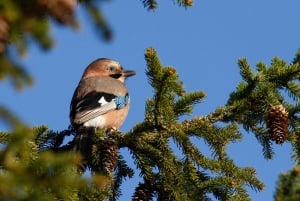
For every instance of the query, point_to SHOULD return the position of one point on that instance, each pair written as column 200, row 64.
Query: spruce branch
column 154, row 67
column 122, row 171
column 184, row 105
column 280, row 73
column 151, row 137
column 194, row 179
column 288, row 185
column 160, row 109
column 293, row 90
column 245, row 70
column 259, row 92
column 296, row 147
column 143, row 192
column 48, row 139
column 296, row 60
column 34, row 174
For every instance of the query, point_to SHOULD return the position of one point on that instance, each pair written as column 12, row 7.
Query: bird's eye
column 111, row 68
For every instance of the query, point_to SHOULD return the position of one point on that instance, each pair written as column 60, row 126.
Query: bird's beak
column 128, row 73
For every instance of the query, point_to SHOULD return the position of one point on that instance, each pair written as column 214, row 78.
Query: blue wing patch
column 122, row 101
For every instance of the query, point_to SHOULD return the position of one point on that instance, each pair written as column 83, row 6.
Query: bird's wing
column 93, row 105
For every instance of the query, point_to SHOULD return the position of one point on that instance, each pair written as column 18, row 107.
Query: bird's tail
column 100, row 153
column 83, row 143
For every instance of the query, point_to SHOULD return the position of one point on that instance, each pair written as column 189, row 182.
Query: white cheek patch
column 102, row 101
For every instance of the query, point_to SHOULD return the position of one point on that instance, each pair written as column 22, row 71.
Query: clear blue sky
column 203, row 43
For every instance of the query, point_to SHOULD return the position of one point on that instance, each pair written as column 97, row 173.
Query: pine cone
column 143, row 192
column 277, row 123
column 109, row 155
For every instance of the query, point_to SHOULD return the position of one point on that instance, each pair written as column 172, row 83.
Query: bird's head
column 107, row 67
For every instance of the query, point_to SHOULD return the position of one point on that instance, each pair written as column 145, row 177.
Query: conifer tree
column 34, row 160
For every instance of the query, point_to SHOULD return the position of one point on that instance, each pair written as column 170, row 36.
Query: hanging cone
column 277, row 123
column 143, row 192
column 109, row 155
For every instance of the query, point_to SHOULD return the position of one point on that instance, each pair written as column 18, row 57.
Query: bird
column 101, row 99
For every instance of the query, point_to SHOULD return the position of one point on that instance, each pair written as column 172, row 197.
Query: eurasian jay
column 101, row 99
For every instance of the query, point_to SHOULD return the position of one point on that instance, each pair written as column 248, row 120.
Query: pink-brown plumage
column 101, row 98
